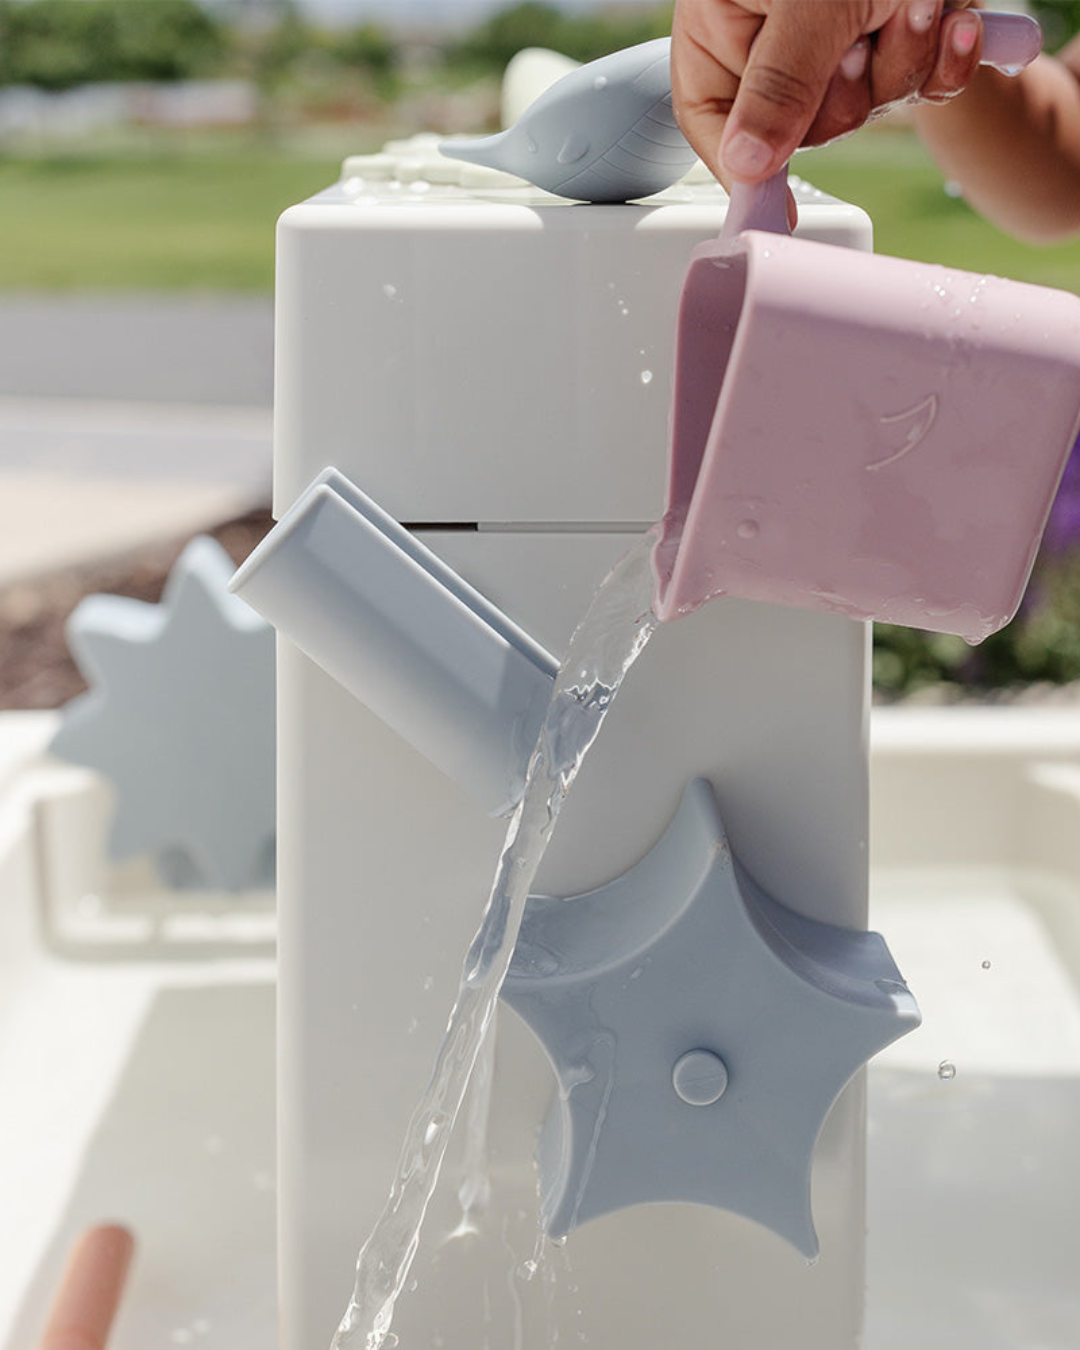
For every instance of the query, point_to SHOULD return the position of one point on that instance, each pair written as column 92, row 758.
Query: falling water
column 606, row 643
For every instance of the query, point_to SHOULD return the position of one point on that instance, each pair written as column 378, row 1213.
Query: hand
column 754, row 79
column 86, row 1302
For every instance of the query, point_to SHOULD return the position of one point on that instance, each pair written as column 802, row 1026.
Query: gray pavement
column 158, row 348
column 125, row 420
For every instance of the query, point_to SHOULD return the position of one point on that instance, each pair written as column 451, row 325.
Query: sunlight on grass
column 199, row 214
column 148, row 222
column 888, row 173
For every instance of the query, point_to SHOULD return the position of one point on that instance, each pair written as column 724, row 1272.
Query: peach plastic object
column 89, row 1294
column 861, row 434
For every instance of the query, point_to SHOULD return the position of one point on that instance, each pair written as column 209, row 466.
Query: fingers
column 847, row 103
column 789, row 72
column 709, row 42
column 752, row 80
column 924, row 52
column 86, row 1302
column 905, row 50
column 959, row 52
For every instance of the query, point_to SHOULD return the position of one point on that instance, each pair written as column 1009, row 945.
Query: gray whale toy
column 604, row 133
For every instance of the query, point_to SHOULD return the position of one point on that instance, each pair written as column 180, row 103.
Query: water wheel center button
column 700, row 1077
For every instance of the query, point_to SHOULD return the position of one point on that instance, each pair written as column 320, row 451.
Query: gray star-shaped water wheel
column 180, row 717
column 699, row 1031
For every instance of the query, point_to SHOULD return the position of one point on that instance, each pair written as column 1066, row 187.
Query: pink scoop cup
column 861, row 434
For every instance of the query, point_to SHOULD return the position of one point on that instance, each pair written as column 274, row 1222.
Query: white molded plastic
column 471, row 358
column 500, row 359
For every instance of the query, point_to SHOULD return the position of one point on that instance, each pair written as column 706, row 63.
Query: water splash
column 606, row 643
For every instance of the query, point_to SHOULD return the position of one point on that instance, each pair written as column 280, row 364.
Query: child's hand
column 86, row 1302
column 754, row 79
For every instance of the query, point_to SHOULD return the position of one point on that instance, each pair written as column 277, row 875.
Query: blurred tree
column 276, row 47
column 56, row 44
column 367, row 55
column 535, row 23
column 1060, row 20
column 369, row 48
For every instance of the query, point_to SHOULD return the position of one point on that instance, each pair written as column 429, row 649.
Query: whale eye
column 573, row 148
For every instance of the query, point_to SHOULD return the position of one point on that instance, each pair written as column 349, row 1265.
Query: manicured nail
column 854, row 61
column 965, row 34
column 745, row 156
column 920, row 16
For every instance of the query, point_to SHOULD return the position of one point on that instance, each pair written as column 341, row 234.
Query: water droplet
column 429, row 983
column 200, row 1326
column 946, row 1070
column 389, row 290
column 986, row 965
column 646, row 377
column 748, row 529
column 531, row 145
column 600, row 82
column 181, row 1336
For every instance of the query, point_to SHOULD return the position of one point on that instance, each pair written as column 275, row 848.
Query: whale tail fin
column 489, row 151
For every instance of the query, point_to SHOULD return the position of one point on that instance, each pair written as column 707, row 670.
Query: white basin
column 137, row 1043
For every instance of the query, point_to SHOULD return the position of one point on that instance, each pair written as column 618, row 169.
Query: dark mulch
column 36, row 669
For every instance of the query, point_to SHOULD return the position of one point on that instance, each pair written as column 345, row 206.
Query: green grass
column 887, row 172
column 138, row 221
column 198, row 213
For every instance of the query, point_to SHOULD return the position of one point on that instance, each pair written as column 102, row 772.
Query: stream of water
column 606, row 643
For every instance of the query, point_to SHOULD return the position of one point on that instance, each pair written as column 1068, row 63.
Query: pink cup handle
column 1010, row 42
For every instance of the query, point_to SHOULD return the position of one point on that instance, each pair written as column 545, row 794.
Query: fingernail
column 745, row 156
column 965, row 34
column 853, row 63
column 920, row 16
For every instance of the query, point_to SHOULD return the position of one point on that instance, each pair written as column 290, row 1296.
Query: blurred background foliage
column 584, row 36
column 55, row 44
column 58, row 44
column 1059, row 19
column 152, row 207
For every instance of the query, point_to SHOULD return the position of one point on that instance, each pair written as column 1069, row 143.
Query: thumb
column 784, row 84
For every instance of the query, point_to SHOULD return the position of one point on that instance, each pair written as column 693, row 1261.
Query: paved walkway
column 158, row 348
column 127, row 420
